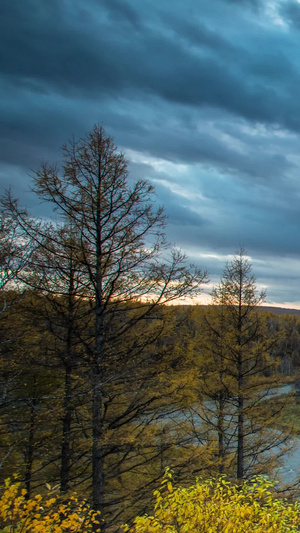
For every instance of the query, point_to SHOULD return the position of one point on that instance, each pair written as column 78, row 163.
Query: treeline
column 104, row 384
column 175, row 404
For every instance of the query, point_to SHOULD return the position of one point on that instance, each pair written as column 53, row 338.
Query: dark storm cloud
column 47, row 48
column 51, row 49
column 199, row 35
column 194, row 147
column 290, row 10
column 227, row 147
column 121, row 11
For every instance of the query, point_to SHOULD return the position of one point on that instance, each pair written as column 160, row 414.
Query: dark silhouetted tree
column 126, row 272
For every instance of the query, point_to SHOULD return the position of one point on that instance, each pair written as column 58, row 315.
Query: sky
column 202, row 97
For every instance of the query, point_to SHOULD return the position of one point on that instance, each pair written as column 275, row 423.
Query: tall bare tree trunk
column 30, row 444
column 66, row 432
column 98, row 363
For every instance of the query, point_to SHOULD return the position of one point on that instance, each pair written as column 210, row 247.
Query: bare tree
column 119, row 253
column 235, row 366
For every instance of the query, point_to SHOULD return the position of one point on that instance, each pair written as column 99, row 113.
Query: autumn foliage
column 43, row 514
column 217, row 506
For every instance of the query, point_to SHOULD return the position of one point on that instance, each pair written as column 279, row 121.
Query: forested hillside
column 104, row 383
column 163, row 408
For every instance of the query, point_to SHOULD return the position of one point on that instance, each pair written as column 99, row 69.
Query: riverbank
column 288, row 415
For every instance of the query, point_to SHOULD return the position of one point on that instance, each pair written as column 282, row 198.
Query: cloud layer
column 203, row 99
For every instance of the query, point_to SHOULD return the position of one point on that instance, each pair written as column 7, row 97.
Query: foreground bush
column 43, row 514
column 219, row 507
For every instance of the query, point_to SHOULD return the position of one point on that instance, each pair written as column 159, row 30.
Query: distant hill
column 275, row 310
column 280, row 310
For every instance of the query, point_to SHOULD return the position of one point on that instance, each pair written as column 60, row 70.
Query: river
column 289, row 472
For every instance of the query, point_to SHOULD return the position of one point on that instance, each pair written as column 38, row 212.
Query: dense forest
column 105, row 384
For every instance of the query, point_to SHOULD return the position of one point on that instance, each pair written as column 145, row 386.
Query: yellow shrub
column 219, row 507
column 43, row 514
